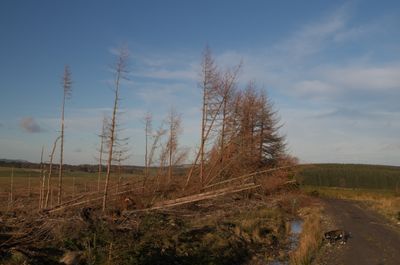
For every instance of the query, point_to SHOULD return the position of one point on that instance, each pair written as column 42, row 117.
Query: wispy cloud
column 314, row 89
column 185, row 74
column 77, row 150
column 395, row 146
column 379, row 83
column 298, row 67
column 375, row 78
column 28, row 124
column 349, row 113
column 311, row 38
column 171, row 66
column 155, row 93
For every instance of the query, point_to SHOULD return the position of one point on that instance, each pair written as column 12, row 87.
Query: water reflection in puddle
column 296, row 226
column 295, row 229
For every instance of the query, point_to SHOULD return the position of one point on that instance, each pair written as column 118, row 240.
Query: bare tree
column 148, row 132
column 119, row 158
column 156, row 145
column 102, row 138
column 66, row 81
column 227, row 92
column 211, row 104
column 217, row 89
column 174, row 123
column 239, row 128
column 11, row 186
column 43, row 180
column 120, row 71
column 49, row 189
column 29, row 185
column 254, row 140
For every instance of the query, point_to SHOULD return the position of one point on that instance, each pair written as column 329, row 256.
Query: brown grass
column 310, row 237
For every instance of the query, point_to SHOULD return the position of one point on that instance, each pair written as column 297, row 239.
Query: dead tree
column 148, row 133
column 43, row 180
column 227, row 91
column 49, row 189
column 67, row 93
column 210, row 104
column 29, row 185
column 11, row 186
column 272, row 142
column 255, row 140
column 156, row 145
column 174, row 124
column 239, row 129
column 217, row 89
column 119, row 158
column 102, row 137
column 120, row 71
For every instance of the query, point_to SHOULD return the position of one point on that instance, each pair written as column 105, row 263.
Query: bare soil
column 374, row 240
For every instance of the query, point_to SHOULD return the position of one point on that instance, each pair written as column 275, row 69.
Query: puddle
column 296, row 226
column 278, row 263
column 295, row 229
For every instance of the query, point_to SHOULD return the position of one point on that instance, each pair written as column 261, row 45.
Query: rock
column 337, row 235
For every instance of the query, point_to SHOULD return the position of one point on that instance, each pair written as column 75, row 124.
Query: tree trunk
column 43, row 180
column 50, row 171
column 120, row 69
column 67, row 90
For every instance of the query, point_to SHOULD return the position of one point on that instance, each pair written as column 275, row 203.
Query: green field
column 350, row 176
column 377, row 187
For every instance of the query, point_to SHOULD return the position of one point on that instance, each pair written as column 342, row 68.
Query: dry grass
column 310, row 237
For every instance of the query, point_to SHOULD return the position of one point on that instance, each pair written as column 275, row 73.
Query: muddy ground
column 374, row 241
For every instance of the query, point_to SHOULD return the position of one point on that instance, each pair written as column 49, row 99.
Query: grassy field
column 26, row 183
column 350, row 176
column 378, row 187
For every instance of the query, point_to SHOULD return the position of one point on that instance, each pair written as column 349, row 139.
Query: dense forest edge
column 378, row 177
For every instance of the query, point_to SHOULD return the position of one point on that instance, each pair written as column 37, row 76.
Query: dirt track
column 374, row 241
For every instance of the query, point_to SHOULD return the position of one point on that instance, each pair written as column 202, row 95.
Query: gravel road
column 374, row 241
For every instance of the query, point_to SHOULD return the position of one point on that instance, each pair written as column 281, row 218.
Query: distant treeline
column 350, row 176
column 83, row 168
column 80, row 168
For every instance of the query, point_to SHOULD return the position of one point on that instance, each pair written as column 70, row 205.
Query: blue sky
column 332, row 69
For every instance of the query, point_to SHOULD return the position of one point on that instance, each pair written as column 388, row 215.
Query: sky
column 332, row 69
